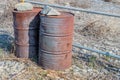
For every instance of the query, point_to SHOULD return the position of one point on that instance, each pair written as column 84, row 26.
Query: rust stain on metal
column 26, row 30
column 55, row 62
column 55, row 43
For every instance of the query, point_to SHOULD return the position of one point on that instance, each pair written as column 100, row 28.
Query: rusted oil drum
column 55, row 41
column 26, row 30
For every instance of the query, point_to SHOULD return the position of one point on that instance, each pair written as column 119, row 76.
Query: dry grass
column 95, row 29
column 33, row 71
column 81, row 3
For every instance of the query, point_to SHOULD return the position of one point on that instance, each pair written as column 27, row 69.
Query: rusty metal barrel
column 55, row 41
column 26, row 30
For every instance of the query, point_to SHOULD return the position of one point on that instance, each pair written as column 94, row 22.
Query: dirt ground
column 90, row 30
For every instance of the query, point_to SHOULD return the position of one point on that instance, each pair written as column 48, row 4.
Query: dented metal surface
column 26, row 29
column 55, row 42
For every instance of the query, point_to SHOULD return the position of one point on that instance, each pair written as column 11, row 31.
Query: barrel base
column 26, row 51
column 55, row 62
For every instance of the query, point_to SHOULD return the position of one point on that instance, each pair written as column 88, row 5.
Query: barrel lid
column 63, row 14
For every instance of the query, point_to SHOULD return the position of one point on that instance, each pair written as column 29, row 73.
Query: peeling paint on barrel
column 26, row 30
column 55, row 41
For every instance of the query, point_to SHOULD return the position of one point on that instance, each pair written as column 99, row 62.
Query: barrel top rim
column 63, row 14
column 35, row 9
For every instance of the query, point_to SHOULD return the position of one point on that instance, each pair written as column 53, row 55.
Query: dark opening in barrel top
column 55, row 41
column 26, row 30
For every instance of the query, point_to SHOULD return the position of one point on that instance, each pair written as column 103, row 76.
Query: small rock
column 50, row 11
column 67, row 4
column 24, row 6
column 90, row 70
column 76, row 69
column 84, row 71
